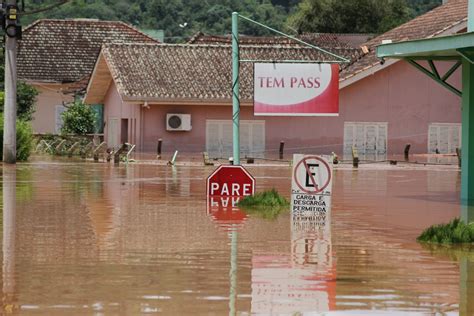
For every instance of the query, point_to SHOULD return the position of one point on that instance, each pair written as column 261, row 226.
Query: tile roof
column 165, row 71
column 323, row 40
column 433, row 23
column 64, row 51
column 347, row 45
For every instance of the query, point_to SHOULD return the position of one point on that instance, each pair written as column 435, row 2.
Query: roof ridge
column 132, row 27
column 187, row 45
column 414, row 20
column 31, row 25
column 336, row 34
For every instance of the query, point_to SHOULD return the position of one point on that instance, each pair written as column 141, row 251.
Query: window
column 370, row 138
column 219, row 138
column 444, row 138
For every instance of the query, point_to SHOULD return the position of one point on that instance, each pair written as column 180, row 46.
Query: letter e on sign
column 311, row 175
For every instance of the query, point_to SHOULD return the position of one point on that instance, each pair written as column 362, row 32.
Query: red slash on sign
column 312, row 175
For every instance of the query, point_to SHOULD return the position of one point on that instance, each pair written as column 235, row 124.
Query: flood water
column 93, row 239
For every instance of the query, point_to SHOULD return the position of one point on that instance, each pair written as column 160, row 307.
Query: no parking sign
column 311, row 188
column 311, row 175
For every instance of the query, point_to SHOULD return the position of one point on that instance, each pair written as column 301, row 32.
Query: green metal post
column 470, row 16
column 235, row 88
column 467, row 152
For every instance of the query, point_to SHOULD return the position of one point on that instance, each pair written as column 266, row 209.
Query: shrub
column 78, row 119
column 267, row 204
column 24, row 139
column 455, row 232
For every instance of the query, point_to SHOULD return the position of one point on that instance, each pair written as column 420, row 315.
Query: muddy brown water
column 94, row 239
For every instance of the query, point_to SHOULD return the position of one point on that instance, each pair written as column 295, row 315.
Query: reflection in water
column 224, row 212
column 464, row 254
column 467, row 286
column 94, row 238
column 9, row 240
column 302, row 281
column 467, row 212
column 233, row 274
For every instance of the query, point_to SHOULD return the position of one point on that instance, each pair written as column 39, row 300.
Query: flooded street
column 94, row 239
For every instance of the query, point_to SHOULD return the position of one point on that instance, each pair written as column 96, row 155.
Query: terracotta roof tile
column 430, row 24
column 191, row 71
column 323, row 40
column 347, row 45
column 66, row 50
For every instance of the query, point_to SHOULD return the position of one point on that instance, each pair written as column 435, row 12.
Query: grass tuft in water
column 455, row 232
column 267, row 204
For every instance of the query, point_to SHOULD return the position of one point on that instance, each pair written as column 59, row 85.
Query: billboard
column 284, row 89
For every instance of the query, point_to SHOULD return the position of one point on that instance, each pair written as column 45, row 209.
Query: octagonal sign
column 230, row 181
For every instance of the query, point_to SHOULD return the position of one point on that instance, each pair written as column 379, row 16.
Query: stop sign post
column 229, row 181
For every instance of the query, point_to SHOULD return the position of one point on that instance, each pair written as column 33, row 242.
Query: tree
column 349, row 16
column 26, row 100
column 78, row 119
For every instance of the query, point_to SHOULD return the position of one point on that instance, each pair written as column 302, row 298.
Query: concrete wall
column 50, row 95
column 400, row 95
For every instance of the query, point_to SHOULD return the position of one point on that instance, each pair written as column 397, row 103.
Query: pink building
column 382, row 106
column 57, row 57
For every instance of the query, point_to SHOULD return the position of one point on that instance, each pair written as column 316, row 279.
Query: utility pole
column 13, row 32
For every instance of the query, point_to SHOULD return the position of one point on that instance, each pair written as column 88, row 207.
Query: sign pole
column 235, row 88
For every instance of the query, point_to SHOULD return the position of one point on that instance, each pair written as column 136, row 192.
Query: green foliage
column 421, row 6
column 24, row 186
column 214, row 16
column 26, row 100
column 349, row 16
column 455, row 232
column 24, row 139
column 78, row 119
column 210, row 16
column 267, row 204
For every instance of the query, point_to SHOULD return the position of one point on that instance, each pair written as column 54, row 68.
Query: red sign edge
column 229, row 166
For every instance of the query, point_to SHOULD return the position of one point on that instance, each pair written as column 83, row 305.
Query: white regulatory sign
column 311, row 188
column 311, row 175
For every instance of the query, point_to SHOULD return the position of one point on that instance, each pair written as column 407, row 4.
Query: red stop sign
column 230, row 181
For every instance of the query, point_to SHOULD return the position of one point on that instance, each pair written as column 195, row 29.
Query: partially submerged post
column 355, row 157
column 406, row 152
column 173, row 159
column 282, row 146
column 117, row 154
column 207, row 161
column 458, row 154
column 158, row 148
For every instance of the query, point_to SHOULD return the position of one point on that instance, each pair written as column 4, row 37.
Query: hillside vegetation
column 181, row 18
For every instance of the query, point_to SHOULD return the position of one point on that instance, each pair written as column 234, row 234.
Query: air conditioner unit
column 178, row 122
